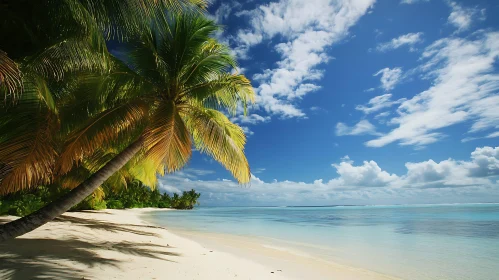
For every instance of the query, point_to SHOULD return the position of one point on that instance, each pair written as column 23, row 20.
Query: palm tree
column 175, row 200
column 193, row 198
column 170, row 92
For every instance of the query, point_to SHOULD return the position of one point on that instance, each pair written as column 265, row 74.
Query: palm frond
column 118, row 181
column 215, row 135
column 65, row 56
column 100, row 131
column 10, row 77
column 27, row 152
column 73, row 178
column 213, row 58
column 166, row 139
column 223, row 92
column 143, row 58
column 146, row 171
column 185, row 35
column 122, row 19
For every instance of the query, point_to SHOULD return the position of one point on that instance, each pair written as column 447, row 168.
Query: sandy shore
column 118, row 244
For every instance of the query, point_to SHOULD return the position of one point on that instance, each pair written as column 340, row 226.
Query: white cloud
column 484, row 163
column 412, row 1
column 382, row 115
column 389, row 77
column 369, row 174
column 251, row 119
column 429, row 173
column 258, row 170
column 224, row 11
column 379, row 102
column 304, row 30
column 462, row 17
column 361, row 128
column 168, row 188
column 247, row 131
column 409, row 39
column 493, row 135
column 465, row 88
column 423, row 182
column 194, row 173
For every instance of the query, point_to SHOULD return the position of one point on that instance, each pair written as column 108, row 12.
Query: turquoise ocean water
column 411, row 242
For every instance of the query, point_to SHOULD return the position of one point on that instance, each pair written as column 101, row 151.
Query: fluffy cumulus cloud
column 465, row 89
column 449, row 179
column 389, row 77
column 369, row 174
column 409, row 39
column 302, row 32
column 484, row 164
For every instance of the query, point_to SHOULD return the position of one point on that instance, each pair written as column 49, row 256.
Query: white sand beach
column 118, row 244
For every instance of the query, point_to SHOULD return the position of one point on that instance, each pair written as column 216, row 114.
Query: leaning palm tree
column 171, row 91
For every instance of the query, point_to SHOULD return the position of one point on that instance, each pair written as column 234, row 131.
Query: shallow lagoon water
column 407, row 241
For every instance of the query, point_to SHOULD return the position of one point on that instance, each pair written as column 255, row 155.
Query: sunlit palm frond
column 166, row 139
column 146, row 171
column 212, row 59
column 215, row 135
column 118, row 181
column 224, row 92
column 101, row 130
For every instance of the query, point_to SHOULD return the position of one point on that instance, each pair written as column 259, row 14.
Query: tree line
column 136, row 195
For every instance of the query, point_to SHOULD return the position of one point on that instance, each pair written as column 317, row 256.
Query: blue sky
column 361, row 102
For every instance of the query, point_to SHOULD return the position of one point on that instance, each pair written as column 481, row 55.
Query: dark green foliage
column 136, row 195
column 23, row 203
column 115, row 204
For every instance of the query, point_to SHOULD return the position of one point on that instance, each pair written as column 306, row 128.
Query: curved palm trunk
column 52, row 210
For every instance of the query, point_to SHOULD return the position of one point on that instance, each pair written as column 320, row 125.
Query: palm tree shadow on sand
column 27, row 258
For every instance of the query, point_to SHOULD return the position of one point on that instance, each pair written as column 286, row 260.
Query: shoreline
column 293, row 263
column 120, row 244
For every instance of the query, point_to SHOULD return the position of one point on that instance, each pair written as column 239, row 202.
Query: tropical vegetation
column 136, row 195
column 101, row 94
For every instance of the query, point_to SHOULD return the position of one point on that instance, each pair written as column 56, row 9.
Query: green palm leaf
column 215, row 135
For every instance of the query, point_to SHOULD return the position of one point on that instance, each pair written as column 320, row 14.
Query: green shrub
column 21, row 205
column 114, row 204
column 90, row 203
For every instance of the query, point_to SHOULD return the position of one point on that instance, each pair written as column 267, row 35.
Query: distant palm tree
column 175, row 200
column 162, row 99
column 193, row 198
